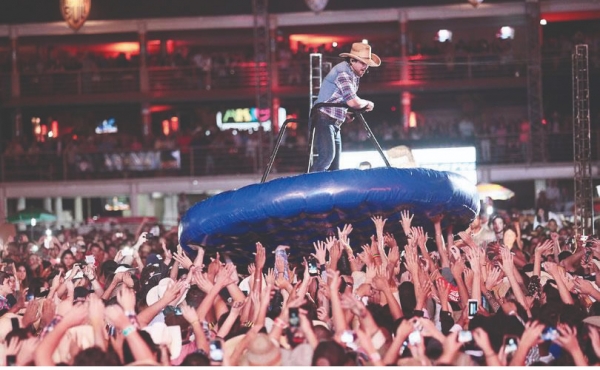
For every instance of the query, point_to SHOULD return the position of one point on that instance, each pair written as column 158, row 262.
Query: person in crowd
column 67, row 259
column 545, row 218
column 339, row 86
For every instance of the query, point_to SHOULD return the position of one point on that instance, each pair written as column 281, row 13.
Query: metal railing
column 80, row 82
column 230, row 160
column 243, row 75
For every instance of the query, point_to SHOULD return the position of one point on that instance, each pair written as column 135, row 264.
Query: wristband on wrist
column 131, row 315
column 128, row 330
column 57, row 318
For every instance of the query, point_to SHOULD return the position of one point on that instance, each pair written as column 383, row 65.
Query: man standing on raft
column 339, row 86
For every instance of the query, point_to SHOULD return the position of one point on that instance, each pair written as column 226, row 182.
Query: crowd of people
column 499, row 292
column 498, row 139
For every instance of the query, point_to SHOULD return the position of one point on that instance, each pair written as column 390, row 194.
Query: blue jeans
column 327, row 143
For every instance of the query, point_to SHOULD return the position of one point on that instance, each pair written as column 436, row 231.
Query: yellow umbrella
column 494, row 191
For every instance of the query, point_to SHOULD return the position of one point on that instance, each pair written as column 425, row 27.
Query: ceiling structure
column 42, row 11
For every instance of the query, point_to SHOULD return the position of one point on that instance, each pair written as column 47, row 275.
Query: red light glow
column 314, row 41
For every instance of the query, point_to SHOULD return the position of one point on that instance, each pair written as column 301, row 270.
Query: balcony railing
column 223, row 160
column 243, row 75
column 79, row 83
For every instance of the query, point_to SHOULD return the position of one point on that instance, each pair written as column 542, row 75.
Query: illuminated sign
column 246, row 119
column 460, row 160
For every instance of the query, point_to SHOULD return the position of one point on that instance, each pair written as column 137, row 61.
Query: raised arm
column 508, row 267
column 439, row 241
column 553, row 269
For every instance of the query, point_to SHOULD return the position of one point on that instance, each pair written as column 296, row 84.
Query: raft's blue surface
column 299, row 210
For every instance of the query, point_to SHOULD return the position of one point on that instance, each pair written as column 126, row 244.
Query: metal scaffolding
column 262, row 59
column 537, row 138
column 584, row 203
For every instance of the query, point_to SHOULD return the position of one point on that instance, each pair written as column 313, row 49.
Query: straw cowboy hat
column 363, row 53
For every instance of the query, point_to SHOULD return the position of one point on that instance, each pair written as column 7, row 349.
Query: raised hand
column 115, row 316
column 371, row 272
column 468, row 274
column 251, row 269
column 183, row 259
column 199, row 260
column 507, row 260
column 322, row 314
column 379, row 224
column 126, row 298
column 260, row 258
column 214, row 267
column 481, row 338
column 279, row 264
column 466, row 237
column 335, row 253
column 48, row 311
column 473, row 258
column 189, row 313
column 412, row 261
column 393, row 255
column 389, row 240
column 365, row 255
column 405, row 221
column 531, row 334
column 343, row 235
column 567, row 337
column 457, row 268
column 493, row 278
column 544, row 248
column 334, row 281
column 443, row 292
column 320, row 252
column 226, row 275
column 551, row 268
column 270, row 277
column 31, row 313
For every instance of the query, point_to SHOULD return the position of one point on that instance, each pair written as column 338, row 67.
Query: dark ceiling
column 39, row 11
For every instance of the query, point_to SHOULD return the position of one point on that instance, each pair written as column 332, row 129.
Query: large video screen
column 461, row 160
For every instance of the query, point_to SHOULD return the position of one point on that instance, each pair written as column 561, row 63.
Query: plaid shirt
column 4, row 303
column 346, row 83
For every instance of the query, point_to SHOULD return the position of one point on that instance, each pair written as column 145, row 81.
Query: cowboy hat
column 168, row 335
column 363, row 53
column 261, row 351
column 157, row 292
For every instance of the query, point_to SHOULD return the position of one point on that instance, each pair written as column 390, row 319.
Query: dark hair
column 108, row 268
column 330, row 350
column 3, row 276
column 128, row 356
column 564, row 254
column 194, row 296
column 196, row 359
column 408, row 299
column 64, row 253
column 94, row 356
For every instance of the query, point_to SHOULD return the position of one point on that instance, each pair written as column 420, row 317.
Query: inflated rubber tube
column 299, row 210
